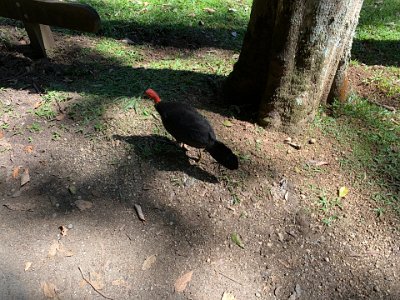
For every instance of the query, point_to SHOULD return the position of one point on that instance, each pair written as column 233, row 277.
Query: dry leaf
column 317, row 163
column 83, row 205
column 37, row 104
column 209, row 10
column 53, row 249
column 15, row 173
column 82, row 283
column 148, row 262
column 343, row 191
column 25, row 178
column 28, row 149
column 139, row 212
column 96, row 279
column 227, row 123
column 181, row 282
column 1, row 134
column 49, row 290
column 119, row 282
column 60, row 117
column 72, row 189
column 228, row 296
column 27, row 266
column 19, row 206
column 66, row 253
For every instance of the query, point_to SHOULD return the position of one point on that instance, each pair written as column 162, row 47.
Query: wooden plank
column 41, row 38
column 52, row 12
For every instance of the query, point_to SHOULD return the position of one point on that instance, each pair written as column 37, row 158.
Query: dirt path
column 71, row 231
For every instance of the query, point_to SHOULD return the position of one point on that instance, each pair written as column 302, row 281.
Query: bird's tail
column 223, row 155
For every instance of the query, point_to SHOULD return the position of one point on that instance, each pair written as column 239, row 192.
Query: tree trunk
column 295, row 54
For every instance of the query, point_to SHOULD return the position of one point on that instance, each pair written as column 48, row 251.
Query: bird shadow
column 165, row 155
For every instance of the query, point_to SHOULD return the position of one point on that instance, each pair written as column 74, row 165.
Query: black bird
column 187, row 126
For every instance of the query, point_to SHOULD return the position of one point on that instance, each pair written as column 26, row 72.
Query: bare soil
column 72, row 232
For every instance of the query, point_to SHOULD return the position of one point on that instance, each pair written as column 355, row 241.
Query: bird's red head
column 153, row 95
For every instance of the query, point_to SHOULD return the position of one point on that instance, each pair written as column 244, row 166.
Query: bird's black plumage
column 188, row 126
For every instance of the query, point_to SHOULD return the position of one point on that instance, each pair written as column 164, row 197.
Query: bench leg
column 41, row 38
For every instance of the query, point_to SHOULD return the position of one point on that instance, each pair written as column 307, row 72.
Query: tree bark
column 292, row 53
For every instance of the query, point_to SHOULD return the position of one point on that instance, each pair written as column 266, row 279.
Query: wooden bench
column 37, row 15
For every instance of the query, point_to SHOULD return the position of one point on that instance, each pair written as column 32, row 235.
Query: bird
column 189, row 127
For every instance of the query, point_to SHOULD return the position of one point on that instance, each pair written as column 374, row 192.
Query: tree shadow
column 165, row 155
column 107, row 80
column 375, row 52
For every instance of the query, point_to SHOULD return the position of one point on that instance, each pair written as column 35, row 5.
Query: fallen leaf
column 63, row 230
column 139, row 212
column 119, row 282
column 228, row 296
column 82, row 283
column 72, row 189
column 28, row 149
column 49, row 289
column 148, row 262
column 343, row 191
column 317, row 162
column 53, row 249
column 60, row 117
column 227, row 123
column 27, row 266
column 96, row 279
column 209, row 10
column 19, row 206
column 15, row 173
column 65, row 252
column 181, row 282
column 83, row 205
column 1, row 134
column 127, row 41
column 236, row 239
column 25, row 178
column 37, row 104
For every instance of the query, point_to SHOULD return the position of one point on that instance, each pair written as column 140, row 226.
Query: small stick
column 96, row 290
column 228, row 277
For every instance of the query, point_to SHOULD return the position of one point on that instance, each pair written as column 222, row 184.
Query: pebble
column 70, row 226
column 258, row 295
column 298, row 290
column 312, row 141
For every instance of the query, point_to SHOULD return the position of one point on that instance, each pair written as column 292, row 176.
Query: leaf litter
column 182, row 282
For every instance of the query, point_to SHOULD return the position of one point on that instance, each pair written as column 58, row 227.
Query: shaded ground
column 295, row 247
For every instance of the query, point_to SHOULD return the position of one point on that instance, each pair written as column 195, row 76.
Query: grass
column 210, row 20
column 372, row 134
column 378, row 33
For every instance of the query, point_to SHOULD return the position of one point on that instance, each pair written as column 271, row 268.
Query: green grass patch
column 210, row 20
column 378, row 33
column 372, row 136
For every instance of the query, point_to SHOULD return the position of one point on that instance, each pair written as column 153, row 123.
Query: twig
column 96, row 290
column 228, row 277
column 388, row 107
